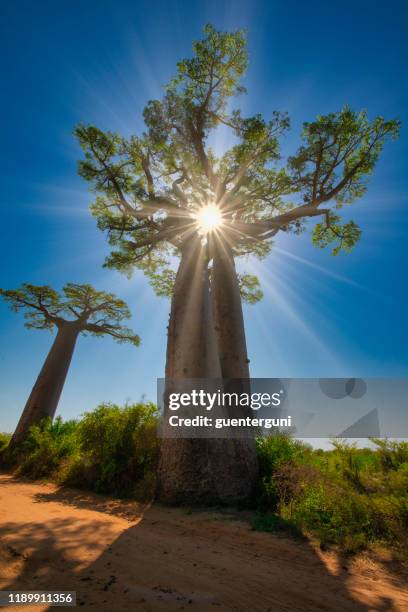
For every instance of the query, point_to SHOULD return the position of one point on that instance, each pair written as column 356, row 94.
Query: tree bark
column 228, row 315
column 192, row 347
column 44, row 397
column 231, row 342
column 198, row 471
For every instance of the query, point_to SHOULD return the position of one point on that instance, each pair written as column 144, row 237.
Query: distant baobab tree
column 82, row 310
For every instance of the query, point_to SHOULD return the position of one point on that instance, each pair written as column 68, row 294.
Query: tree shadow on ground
column 125, row 508
column 173, row 560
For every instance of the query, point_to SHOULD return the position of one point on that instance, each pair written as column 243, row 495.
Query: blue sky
column 100, row 61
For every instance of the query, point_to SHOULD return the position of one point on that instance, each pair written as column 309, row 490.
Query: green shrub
column 333, row 515
column 118, row 449
column 274, row 452
column 4, row 441
column 397, row 480
column 346, row 496
column 46, row 445
column 110, row 450
column 392, row 454
column 389, row 517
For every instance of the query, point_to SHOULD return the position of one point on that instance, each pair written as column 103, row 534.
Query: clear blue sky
column 100, row 61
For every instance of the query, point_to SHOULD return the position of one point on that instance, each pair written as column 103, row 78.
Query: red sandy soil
column 125, row 556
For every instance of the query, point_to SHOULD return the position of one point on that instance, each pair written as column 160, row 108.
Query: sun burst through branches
column 209, row 218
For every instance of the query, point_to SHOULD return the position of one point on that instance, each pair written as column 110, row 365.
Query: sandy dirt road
column 123, row 556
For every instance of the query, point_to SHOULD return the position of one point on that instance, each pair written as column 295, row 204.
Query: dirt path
column 122, row 556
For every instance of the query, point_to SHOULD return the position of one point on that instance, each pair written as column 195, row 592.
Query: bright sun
column 209, row 218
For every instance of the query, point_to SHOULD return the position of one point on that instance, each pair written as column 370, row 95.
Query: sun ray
column 323, row 270
column 284, row 298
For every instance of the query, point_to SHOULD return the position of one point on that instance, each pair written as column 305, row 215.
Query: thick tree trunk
column 192, row 347
column 197, row 471
column 44, row 397
column 228, row 316
column 232, row 348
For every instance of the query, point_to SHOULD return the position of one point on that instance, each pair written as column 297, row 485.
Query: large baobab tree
column 82, row 310
column 167, row 192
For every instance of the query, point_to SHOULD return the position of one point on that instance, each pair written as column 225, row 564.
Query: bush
column 332, row 514
column 347, row 496
column 274, row 452
column 4, row 441
column 392, row 454
column 45, row 447
column 118, row 449
column 110, row 450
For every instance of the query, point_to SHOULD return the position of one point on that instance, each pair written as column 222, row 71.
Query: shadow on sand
column 169, row 560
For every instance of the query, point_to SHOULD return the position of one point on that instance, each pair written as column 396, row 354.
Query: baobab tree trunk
column 44, row 397
column 196, row 471
column 192, row 347
column 231, row 341
column 228, row 316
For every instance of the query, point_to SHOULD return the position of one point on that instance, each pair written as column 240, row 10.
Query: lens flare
column 209, row 218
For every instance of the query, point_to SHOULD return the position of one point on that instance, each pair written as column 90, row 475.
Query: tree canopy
column 95, row 312
column 151, row 186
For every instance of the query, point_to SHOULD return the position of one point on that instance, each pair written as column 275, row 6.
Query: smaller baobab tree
column 81, row 310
